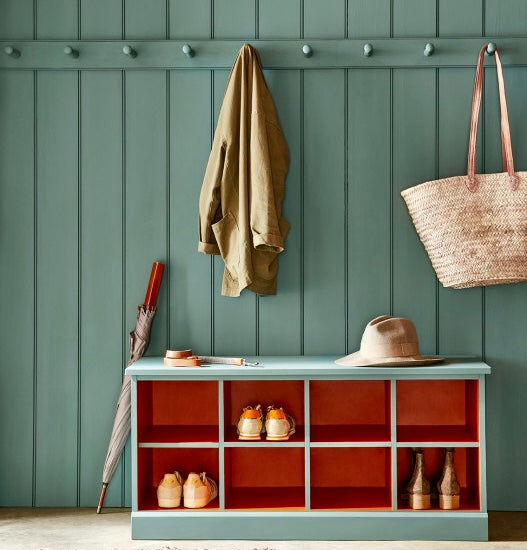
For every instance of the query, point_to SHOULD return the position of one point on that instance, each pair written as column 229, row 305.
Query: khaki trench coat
column 240, row 206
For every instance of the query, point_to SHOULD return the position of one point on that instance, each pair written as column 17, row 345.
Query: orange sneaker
column 199, row 490
column 279, row 425
column 250, row 424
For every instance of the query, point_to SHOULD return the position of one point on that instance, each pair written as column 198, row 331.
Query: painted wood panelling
column 57, row 292
column 324, row 260
column 505, row 342
column 100, row 175
column 17, row 265
column 101, row 261
column 191, row 273
column 285, row 337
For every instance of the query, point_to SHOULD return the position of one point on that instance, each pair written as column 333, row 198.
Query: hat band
column 405, row 349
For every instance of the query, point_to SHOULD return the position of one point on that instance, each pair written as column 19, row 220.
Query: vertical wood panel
column 414, row 18
column 146, row 206
column 505, row 311
column 190, row 19
column 145, row 19
column 234, row 318
column 369, row 200
column 101, row 279
column 234, row 19
column 279, row 316
column 146, row 186
column 146, row 191
column 460, row 311
column 57, row 19
column 505, row 306
column 460, row 18
column 57, row 289
column 102, row 345
column 325, row 19
column 101, row 19
column 16, row 19
column 414, row 162
column 279, row 19
column 190, row 282
column 505, row 17
column 369, row 18
column 324, row 213
column 17, row 276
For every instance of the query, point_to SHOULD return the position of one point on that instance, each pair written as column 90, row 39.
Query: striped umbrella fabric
column 139, row 338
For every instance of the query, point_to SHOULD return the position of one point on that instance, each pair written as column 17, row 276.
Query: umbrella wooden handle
column 153, row 285
column 101, row 498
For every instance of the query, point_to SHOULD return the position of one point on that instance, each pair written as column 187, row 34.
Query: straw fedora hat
column 388, row 341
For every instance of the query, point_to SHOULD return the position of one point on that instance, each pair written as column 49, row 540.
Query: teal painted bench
column 339, row 477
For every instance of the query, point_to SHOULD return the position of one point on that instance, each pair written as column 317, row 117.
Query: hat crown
column 388, row 336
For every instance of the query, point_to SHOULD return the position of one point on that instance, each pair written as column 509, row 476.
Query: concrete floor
column 82, row 529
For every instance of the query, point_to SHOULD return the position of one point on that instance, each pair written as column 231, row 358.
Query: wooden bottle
column 418, row 487
column 448, row 485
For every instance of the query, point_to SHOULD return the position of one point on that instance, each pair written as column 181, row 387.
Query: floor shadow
column 508, row 526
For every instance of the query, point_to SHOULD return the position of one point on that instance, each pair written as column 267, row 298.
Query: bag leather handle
column 506, row 146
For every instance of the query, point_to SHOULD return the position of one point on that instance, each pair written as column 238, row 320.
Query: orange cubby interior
column 357, row 478
column 349, row 410
column 264, row 477
column 288, row 394
column 177, row 411
column 153, row 463
column 466, row 465
column 437, row 410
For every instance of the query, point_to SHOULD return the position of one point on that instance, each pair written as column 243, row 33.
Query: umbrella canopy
column 139, row 338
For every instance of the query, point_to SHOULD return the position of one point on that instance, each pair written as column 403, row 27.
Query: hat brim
column 358, row 360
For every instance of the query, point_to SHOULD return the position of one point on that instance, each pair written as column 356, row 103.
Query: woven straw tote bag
column 474, row 227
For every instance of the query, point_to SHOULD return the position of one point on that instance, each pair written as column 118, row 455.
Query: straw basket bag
column 474, row 227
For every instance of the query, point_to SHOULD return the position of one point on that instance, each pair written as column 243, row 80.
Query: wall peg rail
column 275, row 54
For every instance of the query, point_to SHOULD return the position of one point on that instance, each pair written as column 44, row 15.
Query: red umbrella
column 139, row 338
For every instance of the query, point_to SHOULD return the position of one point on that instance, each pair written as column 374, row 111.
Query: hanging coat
column 240, row 207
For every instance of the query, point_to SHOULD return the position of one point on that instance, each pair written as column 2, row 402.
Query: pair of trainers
column 278, row 425
column 198, row 490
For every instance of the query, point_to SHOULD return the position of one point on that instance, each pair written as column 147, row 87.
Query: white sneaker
column 279, row 425
column 169, row 491
column 199, row 490
column 250, row 423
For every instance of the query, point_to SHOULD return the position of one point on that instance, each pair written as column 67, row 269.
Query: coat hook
column 307, row 50
column 491, row 48
column 429, row 49
column 129, row 51
column 68, row 50
column 187, row 50
column 11, row 52
column 368, row 50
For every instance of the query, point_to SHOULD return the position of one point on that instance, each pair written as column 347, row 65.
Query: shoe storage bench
column 340, row 476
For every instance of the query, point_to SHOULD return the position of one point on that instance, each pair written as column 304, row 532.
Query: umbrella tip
column 101, row 498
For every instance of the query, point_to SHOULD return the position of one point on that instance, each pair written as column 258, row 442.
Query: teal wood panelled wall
column 100, row 173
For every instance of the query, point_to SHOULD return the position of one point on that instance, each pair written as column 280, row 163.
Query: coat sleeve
column 269, row 163
column 210, row 199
